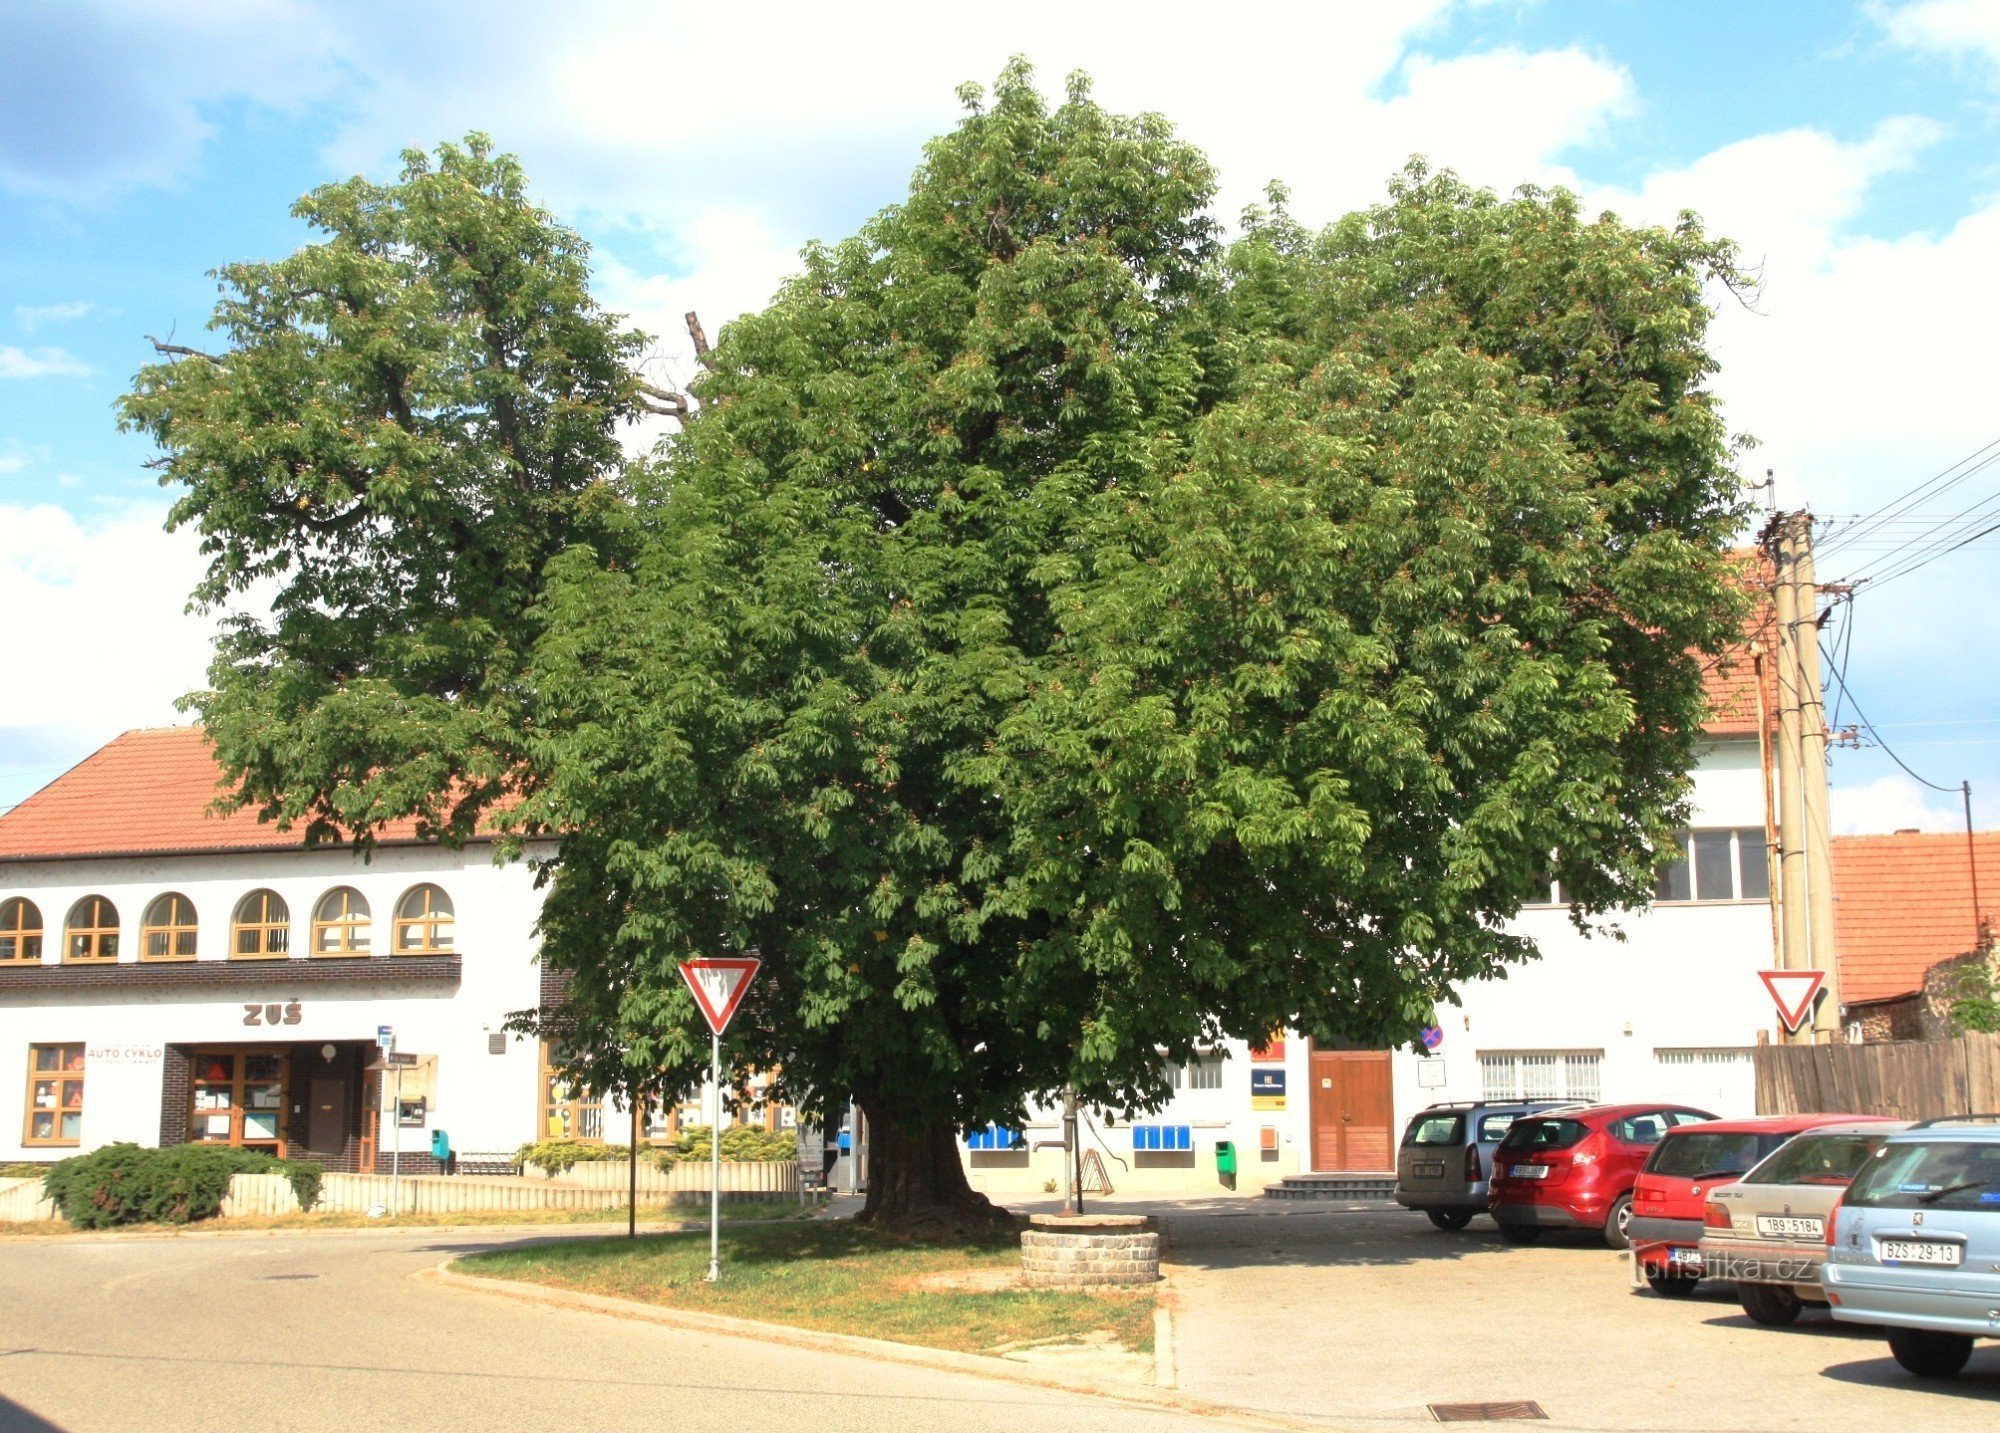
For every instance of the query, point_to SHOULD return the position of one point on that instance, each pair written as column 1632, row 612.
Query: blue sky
column 1850, row 148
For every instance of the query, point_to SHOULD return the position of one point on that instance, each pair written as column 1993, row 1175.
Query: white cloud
column 39, row 363
column 1951, row 27
column 12, row 463
column 1896, row 803
column 32, row 316
column 110, row 645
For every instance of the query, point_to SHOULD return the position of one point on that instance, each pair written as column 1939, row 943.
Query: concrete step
column 1345, row 1186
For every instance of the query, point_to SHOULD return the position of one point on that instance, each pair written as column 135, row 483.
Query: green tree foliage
column 1973, row 1001
column 411, row 417
column 1061, row 638
column 130, row 1184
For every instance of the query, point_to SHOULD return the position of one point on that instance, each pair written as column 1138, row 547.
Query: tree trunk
column 916, row 1182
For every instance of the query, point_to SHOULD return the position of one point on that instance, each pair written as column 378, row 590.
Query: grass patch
column 749, row 1209
column 833, row 1275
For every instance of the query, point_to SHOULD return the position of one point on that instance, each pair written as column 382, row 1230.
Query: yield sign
column 718, row 986
column 1793, row 992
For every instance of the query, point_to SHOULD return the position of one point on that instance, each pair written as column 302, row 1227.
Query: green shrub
column 743, row 1143
column 131, row 1184
column 553, row 1156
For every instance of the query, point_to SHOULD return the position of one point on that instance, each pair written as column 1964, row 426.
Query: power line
column 1934, row 486
column 1840, row 678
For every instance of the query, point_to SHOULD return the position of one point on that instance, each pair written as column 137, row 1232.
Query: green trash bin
column 1225, row 1157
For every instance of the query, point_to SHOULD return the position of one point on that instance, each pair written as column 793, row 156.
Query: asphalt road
column 333, row 1331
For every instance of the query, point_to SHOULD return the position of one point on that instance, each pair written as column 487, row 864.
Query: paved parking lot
column 1364, row 1317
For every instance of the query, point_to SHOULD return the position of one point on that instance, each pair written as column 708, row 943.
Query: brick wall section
column 261, row 975
column 176, row 1094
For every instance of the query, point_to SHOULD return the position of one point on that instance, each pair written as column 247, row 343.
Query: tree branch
column 698, row 336
column 175, row 350
column 664, row 402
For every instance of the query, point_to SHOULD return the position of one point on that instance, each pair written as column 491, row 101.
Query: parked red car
column 1670, row 1199
column 1575, row 1169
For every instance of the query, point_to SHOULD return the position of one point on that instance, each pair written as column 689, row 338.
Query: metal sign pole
column 632, row 1204
column 396, row 1149
column 715, row 1162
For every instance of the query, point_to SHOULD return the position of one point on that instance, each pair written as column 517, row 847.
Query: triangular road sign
column 1793, row 992
column 718, row 986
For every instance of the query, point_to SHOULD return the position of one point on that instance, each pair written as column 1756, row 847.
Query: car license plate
column 1918, row 1251
column 1682, row 1258
column 1791, row 1226
column 1528, row 1171
column 1430, row 1171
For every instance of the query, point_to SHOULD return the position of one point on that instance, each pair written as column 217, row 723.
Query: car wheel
column 1450, row 1218
column 1928, row 1354
column 1671, row 1286
column 1520, row 1233
column 1772, row 1305
column 1618, row 1224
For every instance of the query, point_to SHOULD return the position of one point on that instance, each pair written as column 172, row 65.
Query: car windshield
column 1815, row 1159
column 1533, row 1134
column 1436, row 1129
column 1686, row 1154
column 1933, row 1173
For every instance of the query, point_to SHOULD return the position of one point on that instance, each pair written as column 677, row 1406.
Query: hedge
column 740, row 1143
column 132, row 1184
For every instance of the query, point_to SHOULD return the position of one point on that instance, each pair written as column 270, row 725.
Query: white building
column 170, row 976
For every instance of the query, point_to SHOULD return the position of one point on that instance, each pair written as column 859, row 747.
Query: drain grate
column 1499, row 1412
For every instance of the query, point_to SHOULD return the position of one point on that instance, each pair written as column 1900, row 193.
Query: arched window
column 263, row 927
column 92, row 930
column 341, row 923
column 168, row 932
column 20, row 930
column 423, row 922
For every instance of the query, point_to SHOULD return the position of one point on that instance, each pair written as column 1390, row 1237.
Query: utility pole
column 1817, row 802
column 1805, row 867
column 1782, row 538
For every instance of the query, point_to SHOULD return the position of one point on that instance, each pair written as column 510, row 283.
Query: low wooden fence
column 1907, row 1079
column 269, row 1194
column 756, row 1178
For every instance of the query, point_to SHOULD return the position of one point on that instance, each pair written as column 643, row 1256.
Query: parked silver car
column 1767, row 1231
column 1915, row 1245
column 1445, row 1165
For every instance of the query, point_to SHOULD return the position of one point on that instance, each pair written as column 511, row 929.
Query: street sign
column 1433, row 1037
column 718, row 986
column 385, row 1036
column 1793, row 992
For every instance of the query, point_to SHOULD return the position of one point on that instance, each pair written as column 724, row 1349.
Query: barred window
column 1542, row 1075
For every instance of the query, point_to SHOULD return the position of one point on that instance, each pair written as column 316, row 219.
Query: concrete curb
column 940, row 1360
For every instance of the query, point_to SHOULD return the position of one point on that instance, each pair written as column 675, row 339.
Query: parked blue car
column 1915, row 1245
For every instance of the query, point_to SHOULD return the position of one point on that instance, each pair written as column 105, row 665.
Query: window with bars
column 1203, row 1072
column 1541, row 1075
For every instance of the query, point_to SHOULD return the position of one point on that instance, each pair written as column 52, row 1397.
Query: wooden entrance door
column 326, row 1116
column 1352, row 1111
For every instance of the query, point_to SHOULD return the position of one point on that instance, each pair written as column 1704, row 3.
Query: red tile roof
column 1903, row 903
column 1731, row 680
column 146, row 793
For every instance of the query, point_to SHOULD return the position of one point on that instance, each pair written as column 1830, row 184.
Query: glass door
column 239, row 1099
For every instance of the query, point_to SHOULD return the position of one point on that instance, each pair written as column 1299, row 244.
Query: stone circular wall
column 1090, row 1251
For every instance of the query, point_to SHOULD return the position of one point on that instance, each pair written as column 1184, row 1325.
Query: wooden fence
column 21, row 1200
column 1908, row 1079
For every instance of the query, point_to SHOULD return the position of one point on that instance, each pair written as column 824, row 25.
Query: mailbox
column 1225, row 1157
column 440, row 1146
